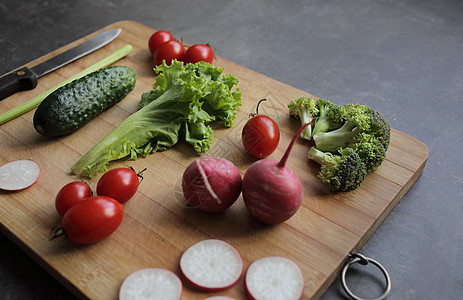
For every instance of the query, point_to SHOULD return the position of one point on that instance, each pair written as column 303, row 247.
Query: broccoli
column 328, row 117
column 356, row 119
column 342, row 172
column 370, row 150
column 380, row 129
column 350, row 140
column 304, row 109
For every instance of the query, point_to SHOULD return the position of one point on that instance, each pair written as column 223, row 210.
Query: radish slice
column 151, row 283
column 19, row 174
column 211, row 265
column 274, row 278
column 220, row 298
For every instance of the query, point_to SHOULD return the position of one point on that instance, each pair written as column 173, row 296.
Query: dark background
column 403, row 58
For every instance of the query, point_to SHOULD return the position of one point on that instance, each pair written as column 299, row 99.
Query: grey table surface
column 403, row 58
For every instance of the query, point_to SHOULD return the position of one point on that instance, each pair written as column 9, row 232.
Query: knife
column 26, row 78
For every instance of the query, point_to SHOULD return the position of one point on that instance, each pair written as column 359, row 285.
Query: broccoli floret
column 356, row 119
column 304, row 109
column 380, row 129
column 357, row 115
column 342, row 172
column 328, row 117
column 370, row 150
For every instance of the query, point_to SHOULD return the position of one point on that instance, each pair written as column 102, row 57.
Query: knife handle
column 19, row 80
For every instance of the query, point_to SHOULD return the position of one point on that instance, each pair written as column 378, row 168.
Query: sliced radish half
column 151, row 283
column 211, row 265
column 19, row 174
column 274, row 278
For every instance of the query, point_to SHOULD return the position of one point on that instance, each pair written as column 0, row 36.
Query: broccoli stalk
column 342, row 172
column 332, row 141
column 304, row 109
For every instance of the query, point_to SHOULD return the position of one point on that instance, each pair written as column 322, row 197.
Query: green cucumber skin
column 75, row 104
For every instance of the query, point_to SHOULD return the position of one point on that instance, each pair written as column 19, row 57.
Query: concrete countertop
column 403, row 58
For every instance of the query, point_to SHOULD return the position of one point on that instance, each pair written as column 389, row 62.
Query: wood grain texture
column 156, row 228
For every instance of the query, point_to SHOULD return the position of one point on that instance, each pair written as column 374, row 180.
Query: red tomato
column 91, row 220
column 70, row 194
column 199, row 52
column 169, row 51
column 158, row 38
column 260, row 136
column 120, row 184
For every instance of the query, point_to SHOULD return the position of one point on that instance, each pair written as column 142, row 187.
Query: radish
column 211, row 184
column 272, row 192
column 211, row 265
column 220, row 298
column 274, row 278
column 19, row 174
column 151, row 283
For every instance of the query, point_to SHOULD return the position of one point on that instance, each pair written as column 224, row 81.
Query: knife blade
column 26, row 78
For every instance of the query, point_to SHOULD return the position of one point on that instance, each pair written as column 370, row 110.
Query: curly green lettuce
column 182, row 102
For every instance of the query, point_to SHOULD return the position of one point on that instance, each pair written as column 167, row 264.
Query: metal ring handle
column 359, row 258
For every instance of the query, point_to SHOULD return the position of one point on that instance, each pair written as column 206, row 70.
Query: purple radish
column 211, row 265
column 274, row 277
column 151, row 283
column 211, row 184
column 19, row 174
column 272, row 192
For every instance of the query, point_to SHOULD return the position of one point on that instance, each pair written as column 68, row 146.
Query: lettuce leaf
column 183, row 101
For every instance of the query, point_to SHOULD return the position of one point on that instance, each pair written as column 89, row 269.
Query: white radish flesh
column 274, row 278
column 220, row 298
column 211, row 265
column 151, row 283
column 19, row 174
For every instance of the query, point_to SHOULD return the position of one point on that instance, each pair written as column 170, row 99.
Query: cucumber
column 73, row 105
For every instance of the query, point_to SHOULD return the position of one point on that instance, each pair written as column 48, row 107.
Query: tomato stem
column 57, row 232
column 257, row 107
column 89, row 187
column 140, row 175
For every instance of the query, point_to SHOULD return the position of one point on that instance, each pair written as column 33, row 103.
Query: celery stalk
column 34, row 102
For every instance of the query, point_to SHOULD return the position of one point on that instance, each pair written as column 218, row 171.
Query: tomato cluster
column 165, row 47
column 88, row 219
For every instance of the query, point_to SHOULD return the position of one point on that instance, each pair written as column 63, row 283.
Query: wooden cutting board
column 156, row 228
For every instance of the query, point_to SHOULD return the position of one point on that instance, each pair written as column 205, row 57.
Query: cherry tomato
column 260, row 135
column 91, row 220
column 199, row 52
column 120, row 184
column 168, row 51
column 158, row 38
column 70, row 194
